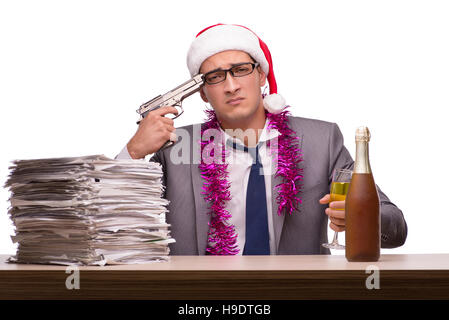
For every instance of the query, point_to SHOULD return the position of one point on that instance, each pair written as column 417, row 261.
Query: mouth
column 234, row 101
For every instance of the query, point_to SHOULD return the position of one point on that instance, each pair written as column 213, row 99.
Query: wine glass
column 339, row 189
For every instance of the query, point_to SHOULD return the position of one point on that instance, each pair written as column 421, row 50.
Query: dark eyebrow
column 232, row 66
column 218, row 69
column 238, row 64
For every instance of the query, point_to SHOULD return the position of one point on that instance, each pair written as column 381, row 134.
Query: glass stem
column 335, row 241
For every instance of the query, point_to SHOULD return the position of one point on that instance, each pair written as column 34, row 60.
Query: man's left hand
column 335, row 212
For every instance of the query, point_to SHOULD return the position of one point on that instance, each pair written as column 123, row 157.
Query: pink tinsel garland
column 289, row 156
column 221, row 236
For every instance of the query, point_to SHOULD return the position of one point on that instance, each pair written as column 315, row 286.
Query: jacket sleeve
column 158, row 157
column 393, row 225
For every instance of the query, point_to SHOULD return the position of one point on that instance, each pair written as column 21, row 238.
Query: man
column 228, row 208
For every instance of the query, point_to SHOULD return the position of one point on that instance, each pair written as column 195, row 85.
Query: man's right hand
column 154, row 130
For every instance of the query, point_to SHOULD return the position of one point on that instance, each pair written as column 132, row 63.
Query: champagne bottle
column 362, row 236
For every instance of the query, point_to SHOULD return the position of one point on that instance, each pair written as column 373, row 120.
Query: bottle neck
column 361, row 164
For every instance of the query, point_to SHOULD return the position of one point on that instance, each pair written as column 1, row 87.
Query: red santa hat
column 222, row 37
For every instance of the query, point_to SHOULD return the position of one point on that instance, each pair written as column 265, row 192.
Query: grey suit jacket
column 302, row 232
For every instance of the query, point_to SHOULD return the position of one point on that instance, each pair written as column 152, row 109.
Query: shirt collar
column 267, row 134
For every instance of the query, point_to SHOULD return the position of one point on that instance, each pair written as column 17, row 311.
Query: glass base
column 332, row 245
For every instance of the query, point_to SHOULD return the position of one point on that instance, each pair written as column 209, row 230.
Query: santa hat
column 222, row 37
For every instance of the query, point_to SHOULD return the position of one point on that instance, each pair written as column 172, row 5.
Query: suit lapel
column 201, row 216
column 278, row 220
column 201, row 209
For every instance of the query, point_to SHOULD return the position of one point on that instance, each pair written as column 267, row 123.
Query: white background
column 72, row 74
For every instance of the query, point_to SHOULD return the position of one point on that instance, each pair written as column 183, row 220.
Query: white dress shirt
column 239, row 168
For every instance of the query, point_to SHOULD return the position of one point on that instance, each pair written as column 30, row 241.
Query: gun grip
column 166, row 145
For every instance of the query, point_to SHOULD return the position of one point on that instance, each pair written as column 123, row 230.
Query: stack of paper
column 88, row 210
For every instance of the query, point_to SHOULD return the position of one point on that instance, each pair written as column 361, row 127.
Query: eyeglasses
column 238, row 70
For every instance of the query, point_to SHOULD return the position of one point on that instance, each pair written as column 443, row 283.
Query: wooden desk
column 423, row 276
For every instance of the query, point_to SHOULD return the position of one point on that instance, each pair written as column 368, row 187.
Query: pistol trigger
column 179, row 105
column 182, row 110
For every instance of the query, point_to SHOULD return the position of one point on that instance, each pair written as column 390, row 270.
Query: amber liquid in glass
column 339, row 190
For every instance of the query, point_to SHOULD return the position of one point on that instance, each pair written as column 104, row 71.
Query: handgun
column 172, row 98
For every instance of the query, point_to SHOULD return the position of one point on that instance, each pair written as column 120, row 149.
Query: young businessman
column 272, row 197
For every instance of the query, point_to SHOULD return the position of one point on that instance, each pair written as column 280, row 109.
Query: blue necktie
column 257, row 239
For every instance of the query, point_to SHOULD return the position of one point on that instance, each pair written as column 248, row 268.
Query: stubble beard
column 239, row 119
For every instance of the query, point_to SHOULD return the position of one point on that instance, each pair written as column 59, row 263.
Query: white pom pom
column 274, row 103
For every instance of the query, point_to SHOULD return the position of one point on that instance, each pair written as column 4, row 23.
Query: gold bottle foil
column 362, row 137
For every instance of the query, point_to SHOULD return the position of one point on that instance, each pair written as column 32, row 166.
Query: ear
column 262, row 77
column 203, row 95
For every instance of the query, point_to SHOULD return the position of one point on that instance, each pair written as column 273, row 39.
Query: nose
column 231, row 85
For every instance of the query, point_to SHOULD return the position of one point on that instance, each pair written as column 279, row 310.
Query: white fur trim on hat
column 221, row 38
column 274, row 103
